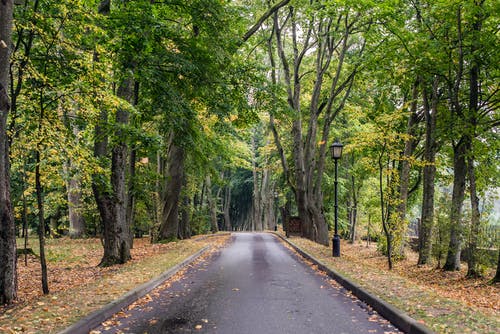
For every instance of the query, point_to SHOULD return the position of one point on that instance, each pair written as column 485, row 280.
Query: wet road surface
column 255, row 285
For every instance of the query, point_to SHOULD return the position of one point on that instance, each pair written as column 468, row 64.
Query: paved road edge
column 397, row 317
column 94, row 319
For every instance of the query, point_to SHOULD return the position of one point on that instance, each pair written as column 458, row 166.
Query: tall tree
column 430, row 104
column 112, row 200
column 326, row 35
column 8, row 274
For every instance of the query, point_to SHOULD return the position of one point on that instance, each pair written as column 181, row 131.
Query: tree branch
column 264, row 17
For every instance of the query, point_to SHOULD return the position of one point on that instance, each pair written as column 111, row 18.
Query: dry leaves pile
column 79, row 287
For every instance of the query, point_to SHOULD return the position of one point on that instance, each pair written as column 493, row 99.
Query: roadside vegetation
column 444, row 301
column 79, row 286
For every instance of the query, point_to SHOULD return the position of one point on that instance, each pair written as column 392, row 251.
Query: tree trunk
column 184, row 226
column 473, row 270
column 385, row 212
column 212, row 206
column 8, row 258
column 41, row 224
column 459, row 158
column 76, row 220
column 472, row 256
column 25, row 218
column 404, row 176
column 353, row 211
column 496, row 279
column 112, row 206
column 429, row 171
column 227, row 207
column 457, row 199
column 73, row 183
column 112, row 201
column 169, row 228
column 130, row 209
column 329, row 36
column 257, row 199
column 131, row 197
column 266, row 196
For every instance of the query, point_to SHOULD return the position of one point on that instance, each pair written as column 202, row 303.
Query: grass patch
column 78, row 287
column 445, row 302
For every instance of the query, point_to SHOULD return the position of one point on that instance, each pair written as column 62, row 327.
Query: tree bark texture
column 8, row 257
column 169, row 228
column 429, row 174
column 457, row 199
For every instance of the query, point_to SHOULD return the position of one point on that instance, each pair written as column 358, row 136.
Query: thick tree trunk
column 459, row 176
column 112, row 201
column 429, row 171
column 8, row 258
column 112, row 206
column 169, row 228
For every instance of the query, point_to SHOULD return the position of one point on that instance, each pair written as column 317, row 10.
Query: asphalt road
column 255, row 285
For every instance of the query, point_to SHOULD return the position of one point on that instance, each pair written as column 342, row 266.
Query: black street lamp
column 336, row 151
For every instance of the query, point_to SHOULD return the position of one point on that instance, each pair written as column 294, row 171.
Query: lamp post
column 336, row 151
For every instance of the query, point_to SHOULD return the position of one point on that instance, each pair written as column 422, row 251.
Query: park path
column 255, row 285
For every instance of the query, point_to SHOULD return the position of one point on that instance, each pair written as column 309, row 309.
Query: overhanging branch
column 264, row 17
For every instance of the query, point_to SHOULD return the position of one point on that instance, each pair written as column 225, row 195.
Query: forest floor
column 78, row 286
column 446, row 302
